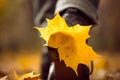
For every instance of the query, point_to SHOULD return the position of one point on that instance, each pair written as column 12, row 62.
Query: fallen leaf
column 33, row 78
column 28, row 76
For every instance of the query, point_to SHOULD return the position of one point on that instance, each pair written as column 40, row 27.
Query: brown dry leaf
column 70, row 42
column 33, row 78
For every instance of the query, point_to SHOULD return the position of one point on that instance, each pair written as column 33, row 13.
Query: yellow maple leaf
column 70, row 42
column 28, row 76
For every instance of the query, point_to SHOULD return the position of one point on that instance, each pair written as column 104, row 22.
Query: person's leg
column 82, row 12
column 45, row 63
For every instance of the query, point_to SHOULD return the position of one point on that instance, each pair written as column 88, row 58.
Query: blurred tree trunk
column 16, row 26
column 106, row 35
column 109, row 22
